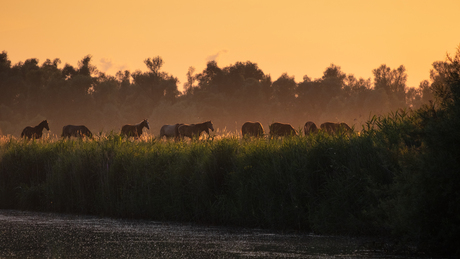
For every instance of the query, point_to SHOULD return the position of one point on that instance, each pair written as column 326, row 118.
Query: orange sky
column 298, row 37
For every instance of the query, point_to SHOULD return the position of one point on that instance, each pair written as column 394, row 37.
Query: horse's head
column 146, row 123
column 209, row 124
column 45, row 125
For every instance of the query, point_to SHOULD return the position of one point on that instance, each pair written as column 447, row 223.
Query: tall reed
column 293, row 182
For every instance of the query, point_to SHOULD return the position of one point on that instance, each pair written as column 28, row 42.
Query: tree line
column 229, row 96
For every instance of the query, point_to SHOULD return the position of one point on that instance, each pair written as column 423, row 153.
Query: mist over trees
column 229, row 96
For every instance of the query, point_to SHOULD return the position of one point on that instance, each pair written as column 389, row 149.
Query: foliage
column 423, row 202
column 279, row 183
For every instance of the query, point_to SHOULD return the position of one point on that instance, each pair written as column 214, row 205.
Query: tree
column 52, row 75
column 444, row 76
column 284, row 90
column 189, row 85
column 5, row 64
column 309, row 98
column 5, row 68
column 393, row 82
column 333, row 80
column 236, row 75
column 414, row 97
column 353, row 86
column 426, row 91
column 154, row 64
column 155, row 84
column 86, row 68
column 211, row 78
column 123, row 78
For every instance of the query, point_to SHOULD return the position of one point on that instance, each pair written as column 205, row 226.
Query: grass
column 277, row 183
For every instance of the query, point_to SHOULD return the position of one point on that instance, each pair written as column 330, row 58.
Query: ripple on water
column 32, row 234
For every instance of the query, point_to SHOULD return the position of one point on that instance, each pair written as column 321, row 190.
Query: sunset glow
column 297, row 37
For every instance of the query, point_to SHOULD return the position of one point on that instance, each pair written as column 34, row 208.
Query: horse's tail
column 162, row 132
column 181, row 130
column 125, row 131
column 64, row 134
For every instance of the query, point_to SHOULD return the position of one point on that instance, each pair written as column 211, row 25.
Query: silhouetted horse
column 35, row 132
column 252, row 129
column 331, row 127
column 281, row 129
column 134, row 130
column 76, row 131
column 194, row 130
column 170, row 131
column 310, row 128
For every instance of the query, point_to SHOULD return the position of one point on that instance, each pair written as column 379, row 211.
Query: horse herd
column 180, row 130
column 80, row 130
column 255, row 129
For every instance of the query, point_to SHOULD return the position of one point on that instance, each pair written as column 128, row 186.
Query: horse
column 310, row 128
column 170, row 131
column 134, row 130
column 281, row 129
column 194, row 130
column 76, row 131
column 332, row 128
column 252, row 129
column 35, row 132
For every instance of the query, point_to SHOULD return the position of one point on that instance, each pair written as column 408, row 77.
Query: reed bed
column 288, row 183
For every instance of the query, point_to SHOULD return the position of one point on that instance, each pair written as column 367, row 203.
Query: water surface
column 49, row 235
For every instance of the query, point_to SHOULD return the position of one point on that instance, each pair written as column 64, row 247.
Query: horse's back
column 170, row 130
column 162, row 131
column 252, row 129
column 26, row 132
column 176, row 129
column 332, row 127
column 184, row 128
column 282, row 129
column 76, row 131
column 35, row 132
column 66, row 131
column 345, row 127
column 87, row 132
column 134, row 130
column 194, row 130
column 310, row 127
column 187, row 130
column 329, row 127
column 128, row 130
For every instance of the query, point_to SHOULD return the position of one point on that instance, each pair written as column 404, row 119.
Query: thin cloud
column 107, row 65
column 216, row 56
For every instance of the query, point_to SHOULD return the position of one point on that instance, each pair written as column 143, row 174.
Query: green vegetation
column 278, row 183
column 397, row 177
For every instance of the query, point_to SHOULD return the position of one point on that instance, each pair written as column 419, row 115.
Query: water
column 47, row 235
